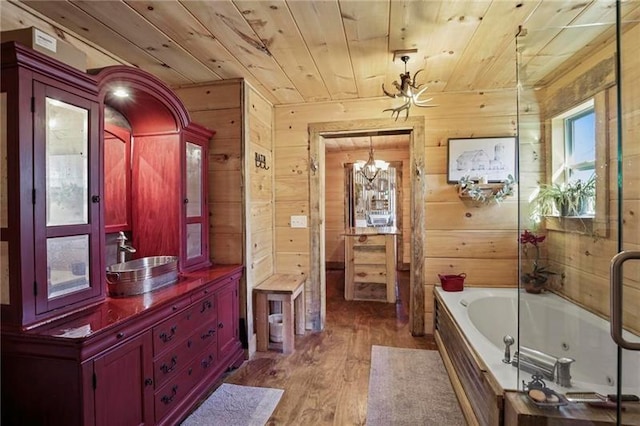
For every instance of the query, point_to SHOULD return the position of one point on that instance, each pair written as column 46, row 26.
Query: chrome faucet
column 508, row 341
column 563, row 371
column 123, row 247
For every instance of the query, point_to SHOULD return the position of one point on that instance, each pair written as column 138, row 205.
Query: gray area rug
column 234, row 405
column 410, row 387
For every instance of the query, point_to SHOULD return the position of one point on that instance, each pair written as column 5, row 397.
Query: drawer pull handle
column 206, row 363
column 189, row 343
column 120, row 335
column 174, row 307
column 208, row 334
column 148, row 382
column 166, row 337
column 221, row 325
column 169, row 368
column 168, row 398
column 206, row 305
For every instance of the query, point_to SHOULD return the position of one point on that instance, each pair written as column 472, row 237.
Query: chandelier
column 405, row 91
column 371, row 167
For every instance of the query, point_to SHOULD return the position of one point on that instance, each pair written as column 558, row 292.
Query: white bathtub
column 549, row 324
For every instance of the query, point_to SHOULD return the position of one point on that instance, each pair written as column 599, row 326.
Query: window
column 580, row 145
column 574, row 156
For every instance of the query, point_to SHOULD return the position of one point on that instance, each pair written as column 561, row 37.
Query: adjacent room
column 335, row 212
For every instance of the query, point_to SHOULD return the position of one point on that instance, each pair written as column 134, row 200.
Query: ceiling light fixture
column 405, row 89
column 371, row 167
column 121, row 92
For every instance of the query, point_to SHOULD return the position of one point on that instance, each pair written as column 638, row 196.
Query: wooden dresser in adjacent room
column 370, row 264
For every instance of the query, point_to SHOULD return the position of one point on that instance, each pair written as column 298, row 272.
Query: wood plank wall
column 335, row 198
column 461, row 237
column 219, row 106
column 241, row 194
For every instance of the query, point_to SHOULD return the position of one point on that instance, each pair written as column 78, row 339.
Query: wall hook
column 261, row 161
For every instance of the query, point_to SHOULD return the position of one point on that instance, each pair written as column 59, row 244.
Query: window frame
column 558, row 171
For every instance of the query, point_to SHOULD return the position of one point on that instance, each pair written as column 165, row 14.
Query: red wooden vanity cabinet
column 51, row 239
column 145, row 359
column 166, row 185
column 71, row 355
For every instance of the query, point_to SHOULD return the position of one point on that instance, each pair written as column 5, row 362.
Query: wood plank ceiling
column 296, row 51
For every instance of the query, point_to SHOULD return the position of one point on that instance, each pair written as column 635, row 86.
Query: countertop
column 111, row 312
column 370, row 230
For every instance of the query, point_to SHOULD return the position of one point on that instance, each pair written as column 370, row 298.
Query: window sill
column 574, row 224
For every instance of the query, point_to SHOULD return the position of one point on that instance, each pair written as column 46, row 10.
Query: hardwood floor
column 326, row 378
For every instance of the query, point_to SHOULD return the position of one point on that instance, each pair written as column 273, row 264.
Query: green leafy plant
column 486, row 195
column 569, row 199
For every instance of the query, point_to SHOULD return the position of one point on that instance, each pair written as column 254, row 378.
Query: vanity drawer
column 204, row 310
column 211, row 288
column 172, row 330
column 369, row 240
column 174, row 359
column 177, row 387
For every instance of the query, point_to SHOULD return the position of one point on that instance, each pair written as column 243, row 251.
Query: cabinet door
column 66, row 198
column 124, row 385
column 227, row 304
column 195, row 209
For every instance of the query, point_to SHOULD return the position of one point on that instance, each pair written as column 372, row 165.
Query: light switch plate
column 298, row 221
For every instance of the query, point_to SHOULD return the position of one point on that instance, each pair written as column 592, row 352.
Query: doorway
column 379, row 203
column 414, row 127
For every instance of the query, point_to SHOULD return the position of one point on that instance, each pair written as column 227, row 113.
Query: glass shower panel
column 67, row 152
column 628, row 179
column 564, row 340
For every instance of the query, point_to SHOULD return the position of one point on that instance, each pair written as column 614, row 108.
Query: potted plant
column 570, row 199
column 536, row 280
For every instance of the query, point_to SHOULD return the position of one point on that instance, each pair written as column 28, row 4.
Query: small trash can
column 275, row 328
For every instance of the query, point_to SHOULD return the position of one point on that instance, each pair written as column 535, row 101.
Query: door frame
column 316, row 292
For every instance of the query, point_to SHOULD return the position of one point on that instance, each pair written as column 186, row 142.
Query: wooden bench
column 288, row 289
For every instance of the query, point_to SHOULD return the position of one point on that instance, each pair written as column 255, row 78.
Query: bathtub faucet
column 508, row 341
column 123, row 247
column 563, row 371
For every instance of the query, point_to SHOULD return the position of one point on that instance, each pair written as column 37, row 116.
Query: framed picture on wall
column 489, row 159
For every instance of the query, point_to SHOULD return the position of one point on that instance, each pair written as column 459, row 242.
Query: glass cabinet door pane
column 194, row 240
column 4, row 188
column 67, row 265
column 4, row 202
column 194, row 180
column 67, row 149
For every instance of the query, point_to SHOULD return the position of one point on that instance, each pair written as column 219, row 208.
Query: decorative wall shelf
column 487, row 189
column 485, row 192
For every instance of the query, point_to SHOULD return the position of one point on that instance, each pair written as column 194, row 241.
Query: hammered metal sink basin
column 141, row 275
